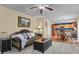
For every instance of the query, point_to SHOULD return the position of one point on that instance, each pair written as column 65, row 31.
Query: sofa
column 17, row 41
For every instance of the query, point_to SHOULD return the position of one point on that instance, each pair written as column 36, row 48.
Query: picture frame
column 23, row 22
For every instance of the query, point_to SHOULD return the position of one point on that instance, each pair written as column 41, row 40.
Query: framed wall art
column 23, row 22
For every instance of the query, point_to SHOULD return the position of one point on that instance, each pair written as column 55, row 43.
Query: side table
column 5, row 44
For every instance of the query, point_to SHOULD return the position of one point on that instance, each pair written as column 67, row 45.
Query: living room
column 9, row 21
column 37, row 21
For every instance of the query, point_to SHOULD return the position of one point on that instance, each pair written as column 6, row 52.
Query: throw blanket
column 23, row 40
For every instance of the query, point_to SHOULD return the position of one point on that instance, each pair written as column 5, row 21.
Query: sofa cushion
column 29, row 35
column 32, row 34
column 25, row 35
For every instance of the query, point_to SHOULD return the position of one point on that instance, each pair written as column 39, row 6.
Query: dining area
column 64, row 32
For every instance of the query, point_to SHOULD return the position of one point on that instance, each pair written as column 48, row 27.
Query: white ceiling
column 66, row 11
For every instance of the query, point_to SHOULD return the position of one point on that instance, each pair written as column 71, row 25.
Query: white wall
column 78, row 29
column 9, row 20
column 49, row 29
column 40, row 20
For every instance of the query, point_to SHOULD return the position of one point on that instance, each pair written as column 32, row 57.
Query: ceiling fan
column 42, row 7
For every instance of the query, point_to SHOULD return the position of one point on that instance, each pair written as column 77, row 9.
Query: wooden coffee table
column 42, row 45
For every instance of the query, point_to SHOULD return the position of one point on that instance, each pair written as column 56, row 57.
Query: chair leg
column 19, row 50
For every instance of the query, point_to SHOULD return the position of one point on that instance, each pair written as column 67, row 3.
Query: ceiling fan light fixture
column 41, row 7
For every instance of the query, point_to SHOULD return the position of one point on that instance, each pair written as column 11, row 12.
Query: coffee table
column 42, row 45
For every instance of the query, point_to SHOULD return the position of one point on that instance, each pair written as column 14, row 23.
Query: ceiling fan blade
column 41, row 11
column 33, row 7
column 49, row 8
